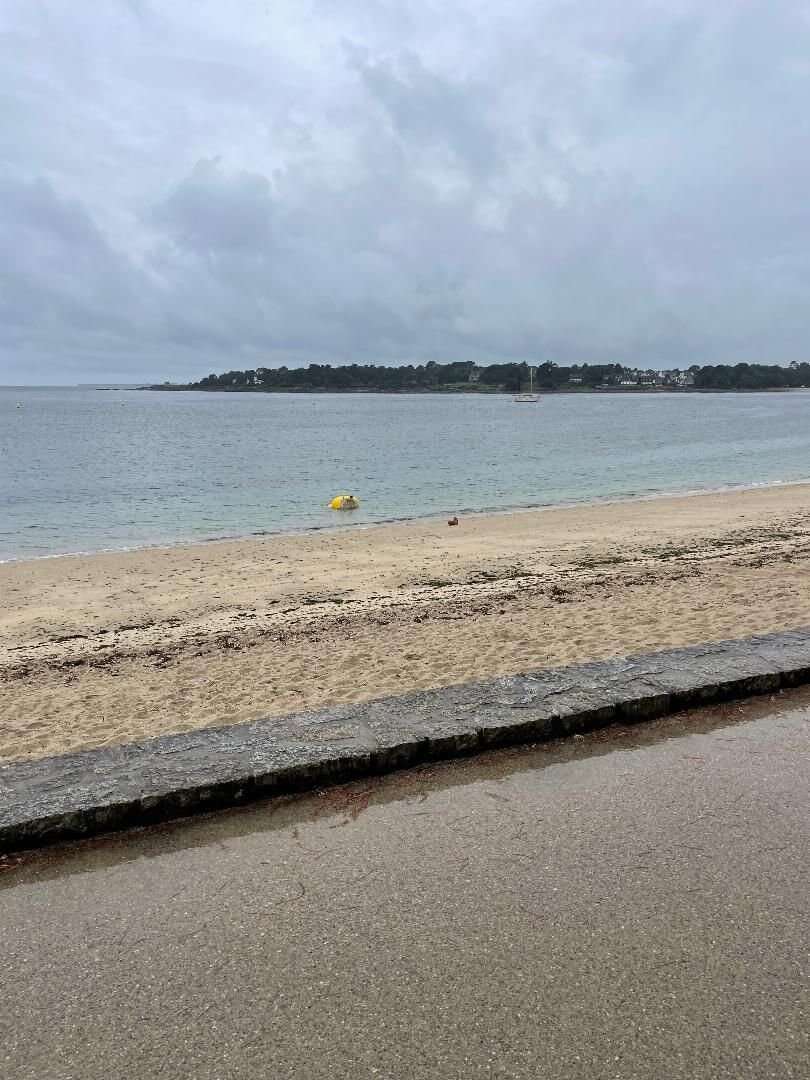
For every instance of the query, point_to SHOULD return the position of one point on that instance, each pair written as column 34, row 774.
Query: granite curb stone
column 93, row 791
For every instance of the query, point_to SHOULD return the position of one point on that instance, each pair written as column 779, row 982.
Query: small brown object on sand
column 453, row 521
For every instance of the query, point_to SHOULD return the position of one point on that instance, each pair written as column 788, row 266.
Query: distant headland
column 511, row 378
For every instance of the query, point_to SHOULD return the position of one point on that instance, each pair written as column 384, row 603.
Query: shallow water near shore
column 89, row 470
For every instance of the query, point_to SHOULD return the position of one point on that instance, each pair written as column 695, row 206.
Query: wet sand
column 118, row 647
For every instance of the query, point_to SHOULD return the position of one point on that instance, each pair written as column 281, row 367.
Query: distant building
column 677, row 378
column 650, row 378
column 475, row 375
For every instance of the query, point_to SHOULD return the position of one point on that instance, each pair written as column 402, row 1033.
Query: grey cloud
column 59, row 273
column 608, row 179
column 212, row 211
column 425, row 107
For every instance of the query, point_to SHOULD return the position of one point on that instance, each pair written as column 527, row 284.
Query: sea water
column 90, row 470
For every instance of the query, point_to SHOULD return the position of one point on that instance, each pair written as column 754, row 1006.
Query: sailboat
column 531, row 396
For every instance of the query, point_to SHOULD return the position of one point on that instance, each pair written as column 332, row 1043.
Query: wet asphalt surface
column 629, row 904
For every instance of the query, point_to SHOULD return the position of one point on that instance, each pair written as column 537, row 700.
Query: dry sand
column 117, row 647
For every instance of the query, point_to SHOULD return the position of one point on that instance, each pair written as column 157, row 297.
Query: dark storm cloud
column 194, row 186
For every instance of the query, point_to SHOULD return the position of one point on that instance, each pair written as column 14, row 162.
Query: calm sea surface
column 85, row 470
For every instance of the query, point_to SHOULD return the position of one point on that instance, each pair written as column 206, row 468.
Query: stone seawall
column 95, row 791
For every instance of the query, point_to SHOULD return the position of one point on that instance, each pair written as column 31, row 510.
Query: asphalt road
column 633, row 904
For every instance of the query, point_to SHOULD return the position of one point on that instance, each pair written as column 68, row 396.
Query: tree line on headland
column 503, row 378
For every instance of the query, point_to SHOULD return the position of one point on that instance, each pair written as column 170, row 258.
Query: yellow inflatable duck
column 344, row 502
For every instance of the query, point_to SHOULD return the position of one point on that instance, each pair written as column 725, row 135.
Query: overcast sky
column 193, row 185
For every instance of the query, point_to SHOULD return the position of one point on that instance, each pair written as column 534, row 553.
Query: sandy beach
column 118, row 647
